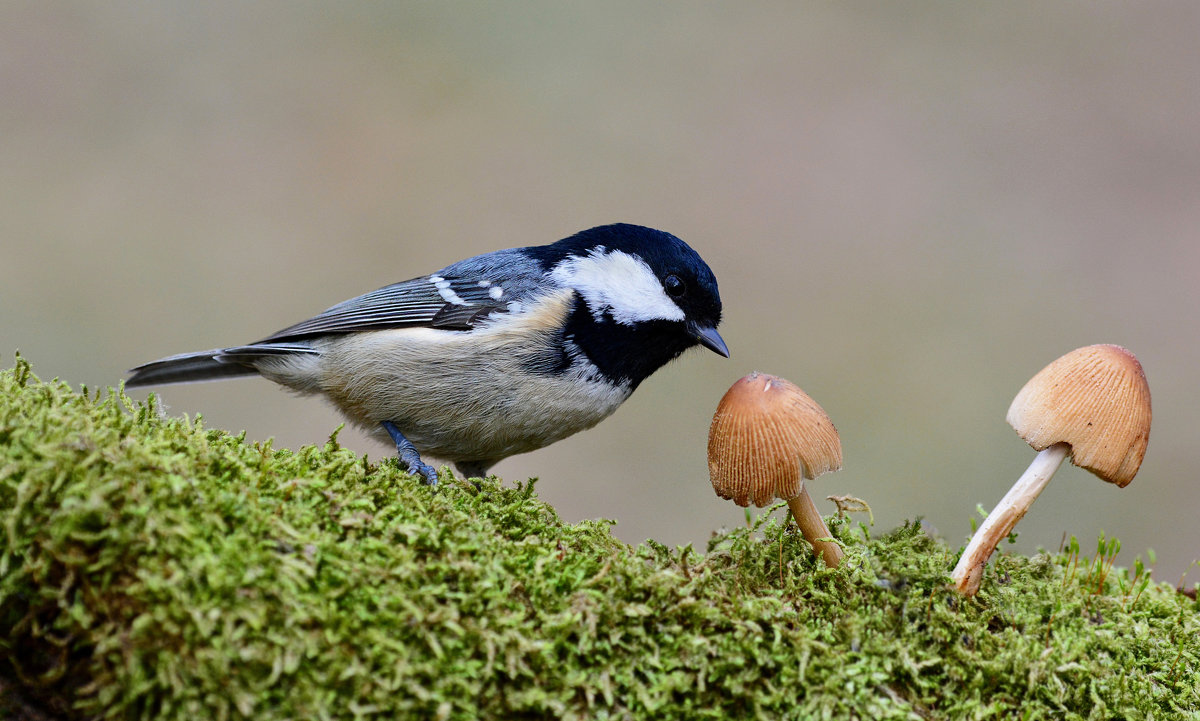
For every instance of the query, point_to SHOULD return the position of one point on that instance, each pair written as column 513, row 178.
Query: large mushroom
column 767, row 436
column 1093, row 406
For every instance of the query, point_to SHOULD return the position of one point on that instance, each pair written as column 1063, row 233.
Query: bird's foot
column 409, row 456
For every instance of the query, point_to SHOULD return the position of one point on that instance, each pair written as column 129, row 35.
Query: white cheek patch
column 618, row 283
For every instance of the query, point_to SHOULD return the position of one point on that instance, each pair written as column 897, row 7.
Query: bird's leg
column 473, row 469
column 409, row 455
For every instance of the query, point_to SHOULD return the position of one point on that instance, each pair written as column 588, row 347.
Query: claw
column 409, row 456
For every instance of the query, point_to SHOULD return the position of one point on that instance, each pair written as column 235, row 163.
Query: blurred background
column 910, row 210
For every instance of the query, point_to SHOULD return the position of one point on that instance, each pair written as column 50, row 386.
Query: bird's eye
column 674, row 285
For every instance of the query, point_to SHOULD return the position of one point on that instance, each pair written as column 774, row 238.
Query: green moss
column 150, row 568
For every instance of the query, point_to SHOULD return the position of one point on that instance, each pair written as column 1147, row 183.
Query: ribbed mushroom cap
column 1094, row 398
column 766, row 437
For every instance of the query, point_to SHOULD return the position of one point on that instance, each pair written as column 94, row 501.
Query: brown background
column 911, row 209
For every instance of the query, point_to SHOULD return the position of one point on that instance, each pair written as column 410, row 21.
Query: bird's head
column 644, row 297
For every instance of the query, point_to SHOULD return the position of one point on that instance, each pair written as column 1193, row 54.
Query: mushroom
column 766, row 437
column 1093, row 406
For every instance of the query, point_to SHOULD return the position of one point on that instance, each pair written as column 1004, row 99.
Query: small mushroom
column 1093, row 406
column 766, row 437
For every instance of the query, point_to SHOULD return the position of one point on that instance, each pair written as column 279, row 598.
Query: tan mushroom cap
column 766, row 437
column 1097, row 400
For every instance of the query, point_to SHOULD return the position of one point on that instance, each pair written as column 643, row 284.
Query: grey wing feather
column 455, row 298
column 412, row 302
column 465, row 293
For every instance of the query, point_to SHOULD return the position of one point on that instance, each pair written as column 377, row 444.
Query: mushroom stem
column 1000, row 522
column 813, row 527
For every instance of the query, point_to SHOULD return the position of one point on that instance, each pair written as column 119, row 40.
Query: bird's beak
column 711, row 339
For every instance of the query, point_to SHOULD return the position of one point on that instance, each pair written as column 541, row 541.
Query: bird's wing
column 435, row 301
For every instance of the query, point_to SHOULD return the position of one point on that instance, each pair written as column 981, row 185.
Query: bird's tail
column 208, row 365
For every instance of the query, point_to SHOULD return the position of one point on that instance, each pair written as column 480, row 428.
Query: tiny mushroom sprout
column 1093, row 406
column 766, row 437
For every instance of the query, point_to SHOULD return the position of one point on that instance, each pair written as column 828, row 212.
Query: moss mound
column 150, row 568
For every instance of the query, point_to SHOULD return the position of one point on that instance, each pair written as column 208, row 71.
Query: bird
column 498, row 354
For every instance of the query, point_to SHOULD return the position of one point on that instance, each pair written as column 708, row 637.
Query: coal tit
column 494, row 355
